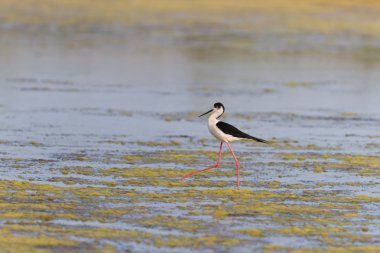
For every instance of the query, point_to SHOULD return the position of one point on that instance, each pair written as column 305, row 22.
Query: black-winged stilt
column 226, row 133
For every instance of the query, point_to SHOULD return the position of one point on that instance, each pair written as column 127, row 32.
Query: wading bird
column 226, row 133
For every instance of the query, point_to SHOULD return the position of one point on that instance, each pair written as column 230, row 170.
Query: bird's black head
column 219, row 106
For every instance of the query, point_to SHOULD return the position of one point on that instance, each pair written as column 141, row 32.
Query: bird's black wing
column 231, row 130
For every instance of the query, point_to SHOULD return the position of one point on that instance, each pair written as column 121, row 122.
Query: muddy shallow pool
column 95, row 132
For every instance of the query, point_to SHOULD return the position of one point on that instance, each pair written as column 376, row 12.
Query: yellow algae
column 173, row 223
column 367, row 161
column 298, row 165
column 34, row 215
column 174, row 182
column 68, row 181
column 271, row 209
column 101, row 233
column 80, row 157
column 289, row 157
column 348, row 114
column 114, row 213
column 272, row 247
column 296, row 186
column 286, row 145
column 148, row 172
column 31, row 227
column 158, row 144
column 40, row 243
column 340, row 206
column 312, row 231
column 327, row 213
column 133, row 158
column 195, row 242
column 78, row 170
column 294, row 84
column 354, row 199
column 128, row 235
column 327, row 234
column 108, row 249
column 96, row 233
column 146, row 143
column 364, row 165
column 116, row 142
column 171, row 175
column 319, row 169
column 172, row 156
column 220, row 214
column 45, row 192
column 344, row 249
column 252, row 232
column 274, row 184
column 109, row 183
column 243, row 196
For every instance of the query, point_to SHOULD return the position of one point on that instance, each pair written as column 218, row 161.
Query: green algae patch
column 148, row 205
column 294, row 84
column 152, row 173
column 168, row 177
column 312, row 231
column 361, row 164
column 275, row 248
column 252, row 232
column 145, row 143
column 142, row 176
column 174, row 183
column 78, row 170
column 294, row 146
column 159, row 143
column 171, row 241
column 172, row 156
column 348, row 249
column 40, row 243
column 196, row 242
column 169, row 222
column 147, row 173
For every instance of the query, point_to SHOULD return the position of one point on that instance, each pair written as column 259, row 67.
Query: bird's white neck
column 215, row 114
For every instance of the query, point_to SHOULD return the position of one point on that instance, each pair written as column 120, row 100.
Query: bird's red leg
column 237, row 167
column 217, row 165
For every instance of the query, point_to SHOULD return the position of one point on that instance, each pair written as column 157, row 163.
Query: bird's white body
column 215, row 131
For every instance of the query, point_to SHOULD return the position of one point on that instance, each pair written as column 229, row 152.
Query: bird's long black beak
column 205, row 113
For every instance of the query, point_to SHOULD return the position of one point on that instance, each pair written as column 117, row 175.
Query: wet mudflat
column 95, row 132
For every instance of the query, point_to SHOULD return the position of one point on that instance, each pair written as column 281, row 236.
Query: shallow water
column 101, row 128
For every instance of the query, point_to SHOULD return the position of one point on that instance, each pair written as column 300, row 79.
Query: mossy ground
column 96, row 209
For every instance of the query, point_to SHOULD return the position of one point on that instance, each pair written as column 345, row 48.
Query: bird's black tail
column 258, row 140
